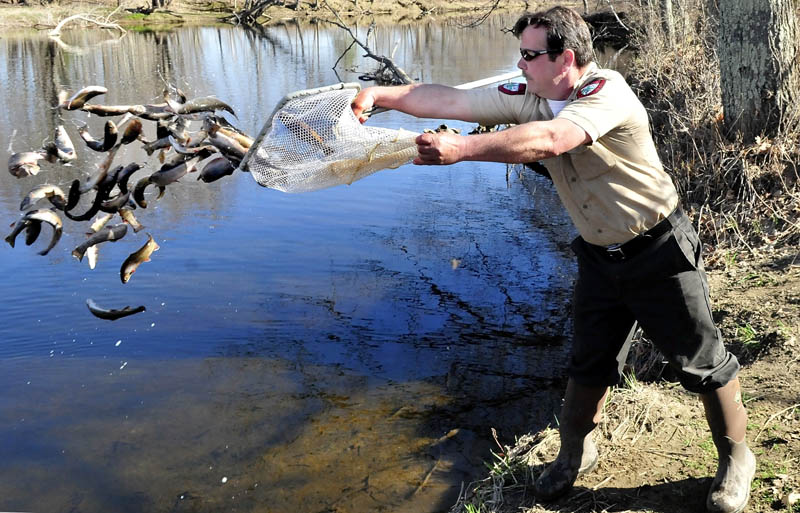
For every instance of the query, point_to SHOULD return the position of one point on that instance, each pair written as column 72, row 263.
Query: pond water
column 342, row 350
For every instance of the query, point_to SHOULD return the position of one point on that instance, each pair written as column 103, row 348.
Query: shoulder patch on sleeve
column 591, row 88
column 512, row 88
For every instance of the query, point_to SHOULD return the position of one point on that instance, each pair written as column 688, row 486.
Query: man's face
column 541, row 73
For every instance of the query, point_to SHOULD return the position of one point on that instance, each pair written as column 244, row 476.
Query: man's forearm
column 424, row 101
column 528, row 142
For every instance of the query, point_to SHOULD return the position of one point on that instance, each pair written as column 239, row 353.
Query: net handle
column 354, row 85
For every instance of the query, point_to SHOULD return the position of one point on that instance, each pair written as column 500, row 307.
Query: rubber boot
column 578, row 453
column 727, row 418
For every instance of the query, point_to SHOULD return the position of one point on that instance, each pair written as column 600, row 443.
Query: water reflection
column 318, row 351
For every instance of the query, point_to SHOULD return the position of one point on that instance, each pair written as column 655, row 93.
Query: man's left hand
column 439, row 148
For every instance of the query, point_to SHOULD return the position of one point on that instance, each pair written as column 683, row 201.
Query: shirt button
column 585, row 206
column 599, row 230
column 573, row 179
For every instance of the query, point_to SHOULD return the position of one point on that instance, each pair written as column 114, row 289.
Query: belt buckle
column 615, row 252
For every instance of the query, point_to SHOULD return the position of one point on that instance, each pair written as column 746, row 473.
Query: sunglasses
column 529, row 55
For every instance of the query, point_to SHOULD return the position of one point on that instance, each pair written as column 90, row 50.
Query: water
column 345, row 350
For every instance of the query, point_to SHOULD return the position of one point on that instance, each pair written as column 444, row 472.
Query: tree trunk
column 757, row 48
column 668, row 22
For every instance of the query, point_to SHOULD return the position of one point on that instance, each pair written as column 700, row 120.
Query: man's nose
column 521, row 64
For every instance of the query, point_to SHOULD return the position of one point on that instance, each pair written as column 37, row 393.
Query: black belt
column 620, row 252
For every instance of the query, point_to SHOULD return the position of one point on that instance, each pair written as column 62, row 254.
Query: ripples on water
column 298, row 352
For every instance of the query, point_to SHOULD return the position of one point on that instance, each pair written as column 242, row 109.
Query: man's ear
column 569, row 57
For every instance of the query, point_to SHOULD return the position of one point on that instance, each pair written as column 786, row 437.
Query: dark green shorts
column 663, row 286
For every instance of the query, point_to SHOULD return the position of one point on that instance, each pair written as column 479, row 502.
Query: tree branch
column 386, row 62
column 103, row 23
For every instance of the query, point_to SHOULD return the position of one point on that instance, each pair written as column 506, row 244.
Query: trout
column 111, row 314
column 77, row 100
column 137, row 258
column 24, row 163
column 51, row 218
column 107, row 234
column 51, row 192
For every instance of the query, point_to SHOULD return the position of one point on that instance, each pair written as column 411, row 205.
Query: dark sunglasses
column 529, row 55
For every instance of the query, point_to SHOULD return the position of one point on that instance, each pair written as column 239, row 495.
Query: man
column 639, row 257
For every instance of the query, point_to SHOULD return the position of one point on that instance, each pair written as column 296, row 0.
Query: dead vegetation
column 631, row 437
column 742, row 195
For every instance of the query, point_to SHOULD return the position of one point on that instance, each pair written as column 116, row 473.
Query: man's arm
column 419, row 100
column 527, row 142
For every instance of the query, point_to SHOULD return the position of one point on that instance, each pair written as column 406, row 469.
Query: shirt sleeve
column 603, row 108
column 492, row 107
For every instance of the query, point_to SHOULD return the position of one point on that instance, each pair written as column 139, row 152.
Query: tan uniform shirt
column 613, row 188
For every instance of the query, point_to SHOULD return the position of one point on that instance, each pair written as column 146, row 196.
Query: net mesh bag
column 313, row 141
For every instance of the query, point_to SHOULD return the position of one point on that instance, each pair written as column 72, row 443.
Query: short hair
column 565, row 30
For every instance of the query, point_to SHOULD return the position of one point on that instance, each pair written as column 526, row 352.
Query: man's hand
column 439, row 148
column 364, row 100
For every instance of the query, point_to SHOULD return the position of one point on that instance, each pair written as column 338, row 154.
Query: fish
column 132, row 132
column 112, row 205
column 74, row 195
column 138, row 191
column 125, row 174
column 51, row 218
column 114, row 110
column 32, row 232
column 77, row 100
column 112, row 314
column 110, row 180
column 18, row 227
column 214, row 167
column 189, row 150
column 24, row 163
column 170, row 173
column 102, row 171
column 229, row 130
column 226, row 145
column 127, row 217
column 65, row 150
column 151, row 147
column 106, row 234
column 244, row 140
column 195, row 105
column 99, row 223
column 110, row 135
column 51, row 192
column 93, row 251
column 304, row 132
column 136, row 258
column 100, row 197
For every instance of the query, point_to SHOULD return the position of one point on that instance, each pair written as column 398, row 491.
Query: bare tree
column 758, row 50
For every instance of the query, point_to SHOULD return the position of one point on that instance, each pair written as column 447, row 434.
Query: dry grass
column 640, row 424
column 742, row 195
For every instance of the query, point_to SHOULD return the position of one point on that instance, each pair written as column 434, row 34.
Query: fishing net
column 313, row 141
